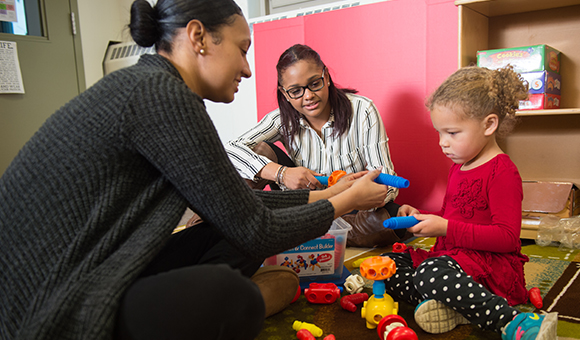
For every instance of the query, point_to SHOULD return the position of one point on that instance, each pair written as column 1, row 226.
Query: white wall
column 104, row 20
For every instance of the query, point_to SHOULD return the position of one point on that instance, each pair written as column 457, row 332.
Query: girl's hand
column 429, row 226
column 407, row 210
column 301, row 178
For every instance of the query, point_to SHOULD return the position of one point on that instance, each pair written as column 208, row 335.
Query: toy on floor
column 325, row 293
column 349, row 302
column 399, row 247
column 298, row 325
column 394, row 327
column 357, row 263
column 386, row 179
column 536, row 297
column 401, row 222
column 381, row 304
column 305, row 334
column 354, row 284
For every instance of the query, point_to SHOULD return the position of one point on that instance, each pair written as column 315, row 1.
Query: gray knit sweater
column 97, row 191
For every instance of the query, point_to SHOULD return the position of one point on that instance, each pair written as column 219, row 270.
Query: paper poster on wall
column 8, row 10
column 10, row 75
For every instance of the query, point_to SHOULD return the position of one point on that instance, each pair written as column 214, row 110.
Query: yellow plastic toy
column 316, row 331
column 380, row 304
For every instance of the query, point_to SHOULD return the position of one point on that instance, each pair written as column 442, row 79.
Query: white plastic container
column 321, row 259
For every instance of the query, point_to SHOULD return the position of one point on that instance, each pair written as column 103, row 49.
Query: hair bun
column 144, row 25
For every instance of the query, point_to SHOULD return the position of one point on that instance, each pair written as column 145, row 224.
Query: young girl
column 475, row 271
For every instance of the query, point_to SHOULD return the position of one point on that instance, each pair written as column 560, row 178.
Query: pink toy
column 349, row 302
column 325, row 293
column 394, row 327
column 305, row 334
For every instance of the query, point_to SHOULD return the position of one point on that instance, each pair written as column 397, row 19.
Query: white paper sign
column 10, row 75
column 7, row 10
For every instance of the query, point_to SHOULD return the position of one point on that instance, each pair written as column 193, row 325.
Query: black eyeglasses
column 297, row 92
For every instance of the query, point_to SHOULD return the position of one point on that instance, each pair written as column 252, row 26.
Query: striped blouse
column 363, row 147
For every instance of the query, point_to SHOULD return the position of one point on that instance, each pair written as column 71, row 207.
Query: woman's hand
column 301, row 178
column 363, row 194
column 429, row 226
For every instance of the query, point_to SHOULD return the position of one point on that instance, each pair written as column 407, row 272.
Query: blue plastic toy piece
column 386, row 179
column 322, row 179
column 402, row 222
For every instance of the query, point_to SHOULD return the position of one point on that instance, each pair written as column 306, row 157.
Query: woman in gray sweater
column 88, row 206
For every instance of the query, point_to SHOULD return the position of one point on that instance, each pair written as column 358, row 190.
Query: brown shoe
column 278, row 285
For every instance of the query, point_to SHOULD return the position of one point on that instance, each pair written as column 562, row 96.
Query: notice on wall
column 10, row 75
column 8, row 10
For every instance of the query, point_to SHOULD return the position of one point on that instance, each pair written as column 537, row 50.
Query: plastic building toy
column 324, row 293
column 354, row 284
column 378, row 268
column 386, row 179
column 536, row 297
column 357, row 263
column 298, row 293
column 394, row 327
column 329, row 337
column 297, row 325
column 399, row 247
column 305, row 334
column 349, row 302
column 401, row 222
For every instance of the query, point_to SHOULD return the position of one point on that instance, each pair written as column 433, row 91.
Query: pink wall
column 395, row 53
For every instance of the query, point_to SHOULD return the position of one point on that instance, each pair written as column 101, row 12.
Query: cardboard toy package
column 539, row 101
column 543, row 198
column 543, row 82
column 523, row 59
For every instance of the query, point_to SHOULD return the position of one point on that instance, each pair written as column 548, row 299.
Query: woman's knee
column 205, row 301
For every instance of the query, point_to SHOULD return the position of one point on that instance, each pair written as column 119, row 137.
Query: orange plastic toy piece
column 378, row 268
column 335, row 176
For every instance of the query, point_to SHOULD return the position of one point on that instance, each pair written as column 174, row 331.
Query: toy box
column 543, row 198
column 539, row 101
column 321, row 259
column 543, row 82
column 523, row 59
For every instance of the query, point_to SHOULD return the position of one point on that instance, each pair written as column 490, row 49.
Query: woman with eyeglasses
column 322, row 127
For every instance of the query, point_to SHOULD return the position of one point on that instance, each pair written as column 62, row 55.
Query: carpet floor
column 555, row 271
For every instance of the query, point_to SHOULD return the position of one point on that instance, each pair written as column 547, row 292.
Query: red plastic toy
column 394, row 327
column 298, row 293
column 305, row 334
column 399, row 247
column 324, row 293
column 349, row 302
column 536, row 297
column 329, row 337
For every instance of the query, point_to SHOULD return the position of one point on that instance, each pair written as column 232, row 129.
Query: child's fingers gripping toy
column 386, row 179
column 401, row 222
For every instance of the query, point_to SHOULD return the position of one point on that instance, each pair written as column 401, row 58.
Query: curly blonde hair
column 478, row 92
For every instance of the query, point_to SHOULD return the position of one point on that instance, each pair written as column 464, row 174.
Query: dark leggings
column 198, row 287
column 442, row 279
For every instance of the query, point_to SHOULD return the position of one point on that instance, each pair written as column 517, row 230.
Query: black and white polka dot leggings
column 442, row 279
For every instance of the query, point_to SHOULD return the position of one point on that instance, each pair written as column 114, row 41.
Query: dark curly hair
column 478, row 92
